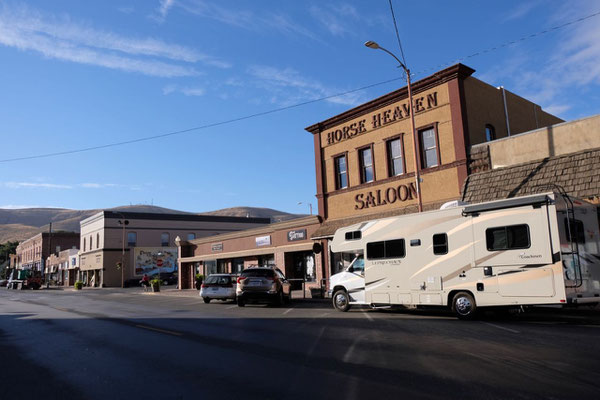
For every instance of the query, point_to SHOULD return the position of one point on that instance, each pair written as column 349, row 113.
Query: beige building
column 33, row 252
column 118, row 246
column 364, row 158
column 286, row 245
column 63, row 267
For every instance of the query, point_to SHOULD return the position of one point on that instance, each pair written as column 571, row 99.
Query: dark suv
column 263, row 284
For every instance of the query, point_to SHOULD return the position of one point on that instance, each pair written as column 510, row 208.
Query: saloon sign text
column 381, row 197
column 382, row 118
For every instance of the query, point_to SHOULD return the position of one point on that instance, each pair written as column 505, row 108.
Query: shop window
column 191, row 236
column 575, row 230
column 440, row 243
column 210, row 267
column 164, row 239
column 429, row 148
column 386, row 249
column 341, row 172
column 395, row 157
column 365, row 158
column 490, row 133
column 131, row 239
column 507, row 237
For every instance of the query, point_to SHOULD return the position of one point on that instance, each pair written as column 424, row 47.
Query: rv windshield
column 343, row 260
column 358, row 264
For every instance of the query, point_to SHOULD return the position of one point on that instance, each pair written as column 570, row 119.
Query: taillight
column 240, row 279
column 203, row 285
column 271, row 278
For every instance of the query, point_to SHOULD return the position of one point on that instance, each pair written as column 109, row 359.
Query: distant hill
column 24, row 223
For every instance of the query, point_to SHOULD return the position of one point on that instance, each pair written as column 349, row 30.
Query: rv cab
column 352, row 279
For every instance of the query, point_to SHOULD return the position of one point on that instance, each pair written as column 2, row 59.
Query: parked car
column 263, row 284
column 167, row 278
column 3, row 282
column 133, row 282
column 218, row 286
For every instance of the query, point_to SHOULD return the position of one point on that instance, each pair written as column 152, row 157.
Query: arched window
column 97, row 240
column 83, row 244
column 490, row 133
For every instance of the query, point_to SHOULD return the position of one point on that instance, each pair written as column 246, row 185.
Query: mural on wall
column 150, row 260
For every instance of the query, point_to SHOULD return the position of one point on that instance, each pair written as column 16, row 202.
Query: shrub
column 78, row 285
column 155, row 282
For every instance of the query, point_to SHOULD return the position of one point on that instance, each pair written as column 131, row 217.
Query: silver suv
column 263, row 284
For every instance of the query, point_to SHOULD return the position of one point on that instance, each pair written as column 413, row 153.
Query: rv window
column 508, row 237
column 386, row 249
column 440, row 243
column 354, row 235
column 575, row 228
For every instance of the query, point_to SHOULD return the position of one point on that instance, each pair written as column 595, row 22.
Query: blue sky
column 79, row 74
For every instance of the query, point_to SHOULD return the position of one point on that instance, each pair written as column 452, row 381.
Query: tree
column 5, row 250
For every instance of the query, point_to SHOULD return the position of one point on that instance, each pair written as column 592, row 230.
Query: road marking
column 350, row 351
column 500, row 327
column 230, row 307
column 287, row 311
column 323, row 315
column 366, row 314
column 160, row 330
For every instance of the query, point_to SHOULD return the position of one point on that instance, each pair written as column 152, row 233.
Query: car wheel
column 166, row 283
column 280, row 299
column 463, row 305
column 240, row 302
column 206, row 300
column 341, row 300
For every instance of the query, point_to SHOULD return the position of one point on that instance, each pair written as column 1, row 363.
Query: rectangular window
column 395, row 161
column 131, row 239
column 365, row 157
column 507, row 237
column 354, row 235
column 164, row 239
column 386, row 249
column 341, row 172
column 440, row 243
column 428, row 148
column 574, row 228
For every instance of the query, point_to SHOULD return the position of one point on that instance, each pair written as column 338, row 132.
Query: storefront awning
column 249, row 253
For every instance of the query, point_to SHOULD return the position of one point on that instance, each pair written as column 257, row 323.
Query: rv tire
column 463, row 305
column 341, row 300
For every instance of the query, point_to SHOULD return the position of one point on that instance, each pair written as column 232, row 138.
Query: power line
column 397, row 34
column 230, row 121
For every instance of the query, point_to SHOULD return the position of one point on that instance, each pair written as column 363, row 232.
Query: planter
column 78, row 285
column 155, row 288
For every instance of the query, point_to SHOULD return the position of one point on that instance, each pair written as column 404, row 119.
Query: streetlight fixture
column 123, row 222
column 309, row 206
column 372, row 45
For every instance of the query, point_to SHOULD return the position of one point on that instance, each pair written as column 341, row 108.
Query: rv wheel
column 464, row 305
column 341, row 300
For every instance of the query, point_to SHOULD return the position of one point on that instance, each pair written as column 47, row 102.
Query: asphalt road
column 117, row 344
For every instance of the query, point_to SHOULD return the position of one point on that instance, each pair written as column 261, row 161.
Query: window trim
column 421, row 158
column 505, row 228
column 335, row 171
column 388, row 154
column 361, row 174
column 433, row 243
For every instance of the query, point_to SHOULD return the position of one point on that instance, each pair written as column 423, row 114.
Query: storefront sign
column 382, row 118
column 263, row 241
column 381, row 197
column 298, row 234
column 217, row 247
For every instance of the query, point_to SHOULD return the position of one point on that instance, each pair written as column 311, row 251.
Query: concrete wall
column 555, row 140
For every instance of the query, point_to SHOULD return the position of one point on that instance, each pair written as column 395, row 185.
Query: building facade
column 286, row 245
column 120, row 246
column 364, row 157
column 63, row 268
column 33, row 252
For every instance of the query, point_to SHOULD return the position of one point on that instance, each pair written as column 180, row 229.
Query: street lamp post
column 372, row 45
column 309, row 206
column 123, row 222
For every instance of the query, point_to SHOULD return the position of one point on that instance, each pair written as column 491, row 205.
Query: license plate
column 255, row 283
column 215, row 289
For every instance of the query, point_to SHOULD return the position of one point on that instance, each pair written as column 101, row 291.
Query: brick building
column 33, row 252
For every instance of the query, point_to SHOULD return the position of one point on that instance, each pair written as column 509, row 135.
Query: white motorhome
column 532, row 250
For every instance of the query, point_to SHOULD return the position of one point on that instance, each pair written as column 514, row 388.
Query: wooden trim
column 421, row 159
column 319, row 170
column 335, row 173
column 457, row 71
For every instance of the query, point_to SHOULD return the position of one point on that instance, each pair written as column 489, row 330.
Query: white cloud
column 335, row 18
column 35, row 185
column 288, row 87
column 20, row 206
column 165, row 6
column 245, row 19
column 186, row 90
column 63, row 39
column 521, row 10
